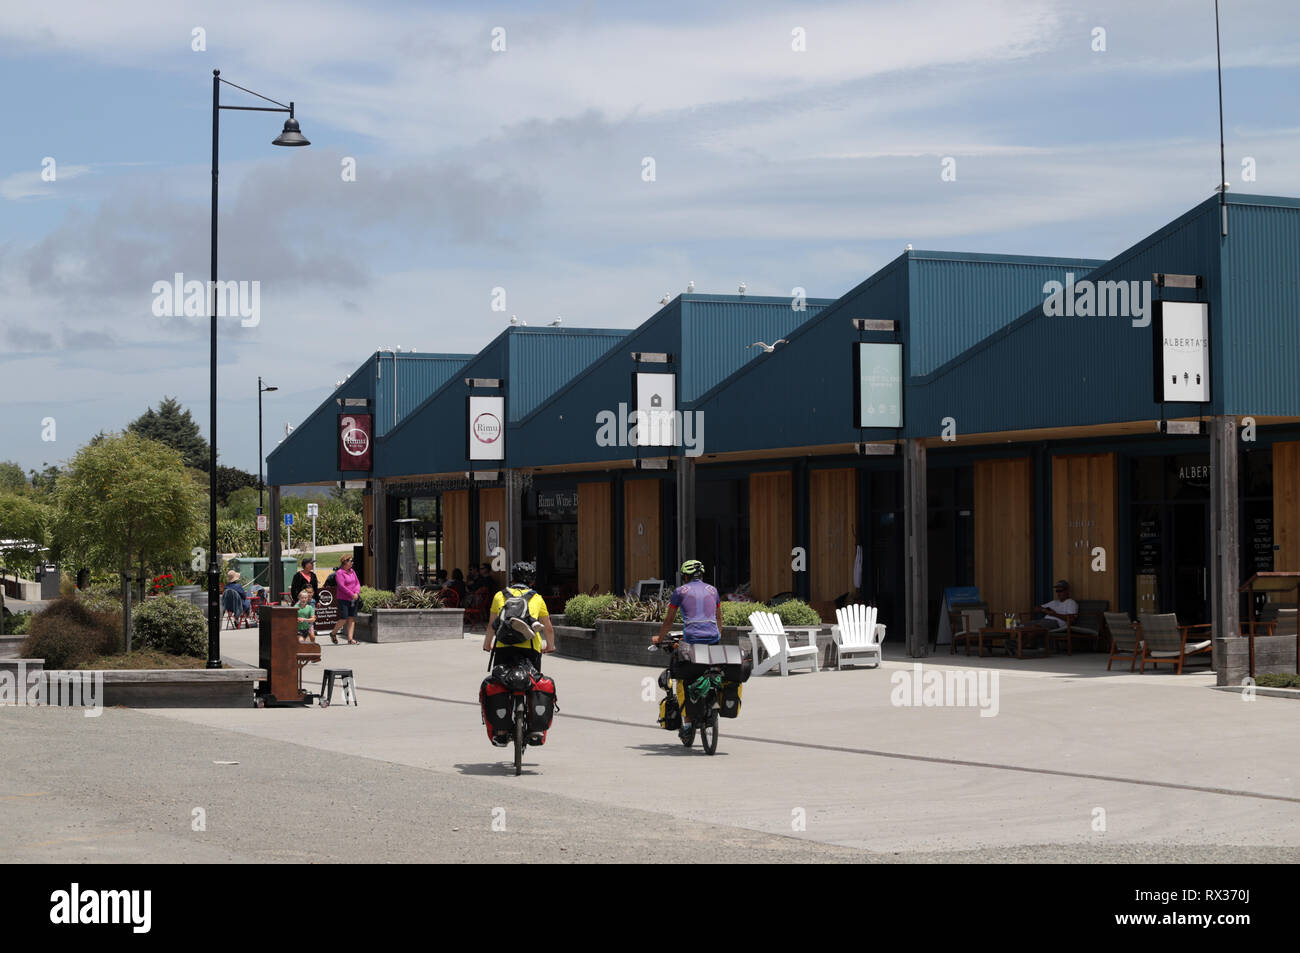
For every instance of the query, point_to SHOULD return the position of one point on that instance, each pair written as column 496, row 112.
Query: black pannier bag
column 729, row 699
column 670, row 716
column 541, row 705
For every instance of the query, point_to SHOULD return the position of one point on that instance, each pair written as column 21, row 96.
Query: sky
column 505, row 145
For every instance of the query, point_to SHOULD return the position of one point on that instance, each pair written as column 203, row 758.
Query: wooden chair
column 857, row 634
column 1125, row 638
column 1086, row 626
column 770, row 634
column 971, row 621
column 1166, row 642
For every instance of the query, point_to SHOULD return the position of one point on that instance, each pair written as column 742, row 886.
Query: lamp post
column 291, row 136
column 260, row 391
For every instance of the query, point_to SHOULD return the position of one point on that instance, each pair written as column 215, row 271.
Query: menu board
column 327, row 610
column 1261, row 544
column 1148, row 554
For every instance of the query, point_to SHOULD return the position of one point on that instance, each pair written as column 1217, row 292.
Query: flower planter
column 1273, row 654
column 410, row 625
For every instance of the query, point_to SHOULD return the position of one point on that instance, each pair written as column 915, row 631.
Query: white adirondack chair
column 770, row 633
column 857, row 635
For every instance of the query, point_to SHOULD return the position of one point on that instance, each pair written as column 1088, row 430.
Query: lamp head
column 292, row 135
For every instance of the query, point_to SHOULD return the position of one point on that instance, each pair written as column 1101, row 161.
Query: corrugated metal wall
column 716, row 330
column 416, row 376
column 310, row 453
column 542, row 360
column 1261, row 315
column 958, row 300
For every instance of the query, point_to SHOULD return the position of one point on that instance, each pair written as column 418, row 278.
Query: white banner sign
column 1185, row 351
column 487, row 428
column 656, row 402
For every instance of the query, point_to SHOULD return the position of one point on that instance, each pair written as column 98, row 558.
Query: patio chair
column 857, row 634
column 1166, row 642
column 1085, row 626
column 971, row 620
column 1125, row 638
column 770, row 634
column 233, row 614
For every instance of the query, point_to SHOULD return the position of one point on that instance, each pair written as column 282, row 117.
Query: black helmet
column 523, row 572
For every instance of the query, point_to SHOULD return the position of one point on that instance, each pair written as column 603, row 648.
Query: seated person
column 235, row 599
column 1060, row 609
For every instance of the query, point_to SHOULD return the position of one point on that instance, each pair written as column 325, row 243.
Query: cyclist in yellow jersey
column 522, row 576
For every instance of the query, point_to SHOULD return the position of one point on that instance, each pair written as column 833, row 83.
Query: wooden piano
column 284, row 657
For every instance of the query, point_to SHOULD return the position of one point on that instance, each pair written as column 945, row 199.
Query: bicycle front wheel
column 709, row 732
column 520, row 719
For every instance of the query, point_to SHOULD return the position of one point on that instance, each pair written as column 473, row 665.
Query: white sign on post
column 656, row 403
column 263, row 522
column 487, row 428
column 1184, row 349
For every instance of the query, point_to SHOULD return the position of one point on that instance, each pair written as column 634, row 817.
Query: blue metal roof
column 413, row 377
column 310, row 453
column 706, row 334
column 532, row 361
column 802, row 394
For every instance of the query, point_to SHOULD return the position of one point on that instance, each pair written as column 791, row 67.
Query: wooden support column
column 1225, row 518
column 916, row 567
column 382, row 568
column 274, row 580
column 685, row 513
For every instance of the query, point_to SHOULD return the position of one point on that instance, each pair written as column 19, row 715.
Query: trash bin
column 50, row 581
column 253, row 570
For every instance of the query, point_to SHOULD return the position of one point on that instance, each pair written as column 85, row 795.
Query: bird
column 907, row 247
column 516, row 323
column 742, row 289
column 690, row 286
column 767, row 348
column 556, row 322
column 666, row 298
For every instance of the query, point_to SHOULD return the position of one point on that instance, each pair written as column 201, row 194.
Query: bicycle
column 520, row 682
column 702, row 692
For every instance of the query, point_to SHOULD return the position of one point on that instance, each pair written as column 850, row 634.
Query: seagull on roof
column 742, row 288
column 514, row 320
column 556, row 322
column 665, row 299
column 767, row 348
column 690, row 286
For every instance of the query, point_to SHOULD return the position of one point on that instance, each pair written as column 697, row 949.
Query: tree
column 12, row 477
column 230, row 479
column 23, row 523
column 128, row 501
column 173, row 426
column 44, row 481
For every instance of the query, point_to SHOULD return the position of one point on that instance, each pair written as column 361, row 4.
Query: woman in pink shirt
column 347, row 588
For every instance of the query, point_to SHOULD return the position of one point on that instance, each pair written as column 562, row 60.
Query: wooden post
column 1225, row 555
column 382, row 525
column 274, row 573
column 686, row 516
column 916, row 529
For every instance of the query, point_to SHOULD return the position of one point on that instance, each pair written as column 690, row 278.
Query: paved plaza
column 1077, row 765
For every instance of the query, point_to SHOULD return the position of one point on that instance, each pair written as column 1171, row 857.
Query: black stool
column 346, row 683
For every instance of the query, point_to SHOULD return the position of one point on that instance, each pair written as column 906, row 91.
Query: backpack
column 515, row 622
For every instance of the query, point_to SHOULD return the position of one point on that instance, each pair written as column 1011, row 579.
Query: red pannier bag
column 496, row 706
column 541, row 706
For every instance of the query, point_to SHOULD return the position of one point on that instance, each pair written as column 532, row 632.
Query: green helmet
column 692, row 567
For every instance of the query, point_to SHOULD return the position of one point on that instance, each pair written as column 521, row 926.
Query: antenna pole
column 1223, row 173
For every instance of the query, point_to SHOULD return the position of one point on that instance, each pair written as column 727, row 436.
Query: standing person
column 306, row 616
column 305, row 579
column 347, row 587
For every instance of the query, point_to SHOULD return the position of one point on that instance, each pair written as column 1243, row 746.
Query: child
column 306, row 617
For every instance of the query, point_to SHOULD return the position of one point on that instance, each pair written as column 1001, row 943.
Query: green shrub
column 411, row 597
column 18, row 624
column 370, row 598
column 66, row 633
column 1278, row 680
column 738, row 613
column 171, row 626
column 797, row 612
column 583, row 611
column 101, row 599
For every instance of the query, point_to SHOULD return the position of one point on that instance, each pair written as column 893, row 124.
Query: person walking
column 346, row 588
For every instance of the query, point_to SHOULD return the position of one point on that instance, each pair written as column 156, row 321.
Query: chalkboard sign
column 1148, row 555
column 1261, row 543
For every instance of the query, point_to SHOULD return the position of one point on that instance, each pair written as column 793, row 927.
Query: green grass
column 1276, row 680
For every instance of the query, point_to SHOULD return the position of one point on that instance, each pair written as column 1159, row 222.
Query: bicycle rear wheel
column 709, row 732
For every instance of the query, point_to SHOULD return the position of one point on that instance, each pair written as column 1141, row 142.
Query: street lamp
column 291, row 136
column 260, row 391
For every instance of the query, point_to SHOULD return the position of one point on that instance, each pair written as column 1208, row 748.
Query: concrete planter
column 574, row 642
column 410, row 625
column 11, row 646
column 1274, row 654
column 139, row 688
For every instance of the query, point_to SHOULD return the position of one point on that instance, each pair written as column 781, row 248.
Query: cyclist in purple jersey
column 700, row 605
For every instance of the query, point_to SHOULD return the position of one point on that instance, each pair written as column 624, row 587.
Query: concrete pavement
column 1077, row 764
